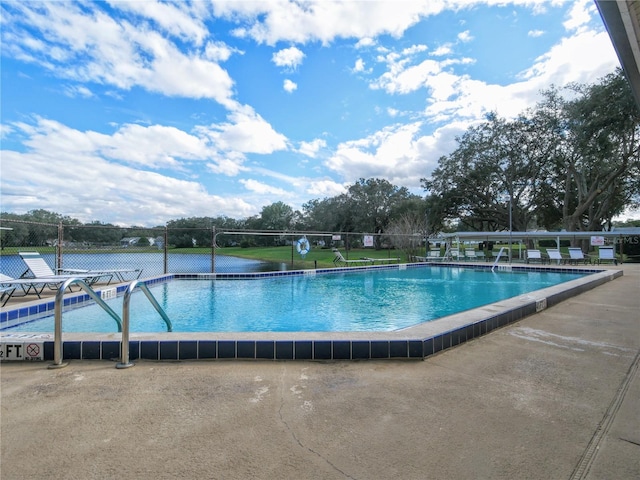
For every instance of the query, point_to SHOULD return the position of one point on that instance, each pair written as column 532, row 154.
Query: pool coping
column 416, row 342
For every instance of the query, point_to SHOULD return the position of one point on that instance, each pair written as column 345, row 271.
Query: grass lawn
column 320, row 257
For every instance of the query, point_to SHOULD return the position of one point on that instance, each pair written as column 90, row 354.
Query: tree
column 598, row 173
column 565, row 163
column 183, row 232
column 407, row 232
column 498, row 166
column 277, row 216
column 374, row 200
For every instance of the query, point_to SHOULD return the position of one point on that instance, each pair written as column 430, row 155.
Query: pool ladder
column 123, row 324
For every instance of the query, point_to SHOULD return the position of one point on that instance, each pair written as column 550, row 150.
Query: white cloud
column 400, row 154
column 86, row 45
column 359, row 66
column 465, row 36
column 579, row 15
column 246, row 132
column 78, row 91
column 108, row 174
column 311, row 149
column 443, row 50
column 318, row 20
column 401, row 78
column 177, row 19
column 365, row 42
column 535, row 33
column 325, row 188
column 227, row 166
column 289, row 58
column 577, row 58
column 154, row 146
column 262, row 188
column 289, row 86
column 88, row 188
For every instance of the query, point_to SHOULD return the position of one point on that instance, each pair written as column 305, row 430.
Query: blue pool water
column 374, row 300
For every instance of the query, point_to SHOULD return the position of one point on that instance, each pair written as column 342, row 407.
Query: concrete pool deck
column 555, row 395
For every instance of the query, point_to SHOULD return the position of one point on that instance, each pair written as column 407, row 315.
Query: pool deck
column 555, row 395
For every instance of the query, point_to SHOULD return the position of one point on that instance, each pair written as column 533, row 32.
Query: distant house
column 129, row 242
column 158, row 242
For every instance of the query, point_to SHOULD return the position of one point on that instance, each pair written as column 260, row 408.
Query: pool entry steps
column 416, row 342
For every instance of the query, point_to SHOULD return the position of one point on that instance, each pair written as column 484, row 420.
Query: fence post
column 213, row 249
column 166, row 250
column 59, row 247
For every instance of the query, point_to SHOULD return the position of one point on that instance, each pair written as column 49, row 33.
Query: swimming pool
column 413, row 342
column 371, row 300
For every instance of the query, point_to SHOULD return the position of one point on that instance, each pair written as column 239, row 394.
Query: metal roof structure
column 536, row 235
column 622, row 20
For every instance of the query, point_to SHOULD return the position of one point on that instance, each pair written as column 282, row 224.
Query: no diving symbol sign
column 33, row 350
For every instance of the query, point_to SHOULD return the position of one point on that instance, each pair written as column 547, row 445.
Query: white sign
column 21, row 351
column 336, row 237
column 597, row 241
column 368, row 240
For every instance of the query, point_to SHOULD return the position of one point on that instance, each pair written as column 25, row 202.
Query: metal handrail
column 124, row 351
column 497, row 259
column 57, row 339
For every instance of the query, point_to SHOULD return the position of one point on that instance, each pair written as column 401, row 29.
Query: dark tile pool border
column 416, row 342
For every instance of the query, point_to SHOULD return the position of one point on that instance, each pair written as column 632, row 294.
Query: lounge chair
column 607, row 254
column 382, row 260
column 339, row 260
column 455, row 254
column 6, row 292
column 27, row 285
column 470, row 254
column 534, row 256
column 554, row 254
column 576, row 255
column 40, row 268
column 119, row 273
column 434, row 256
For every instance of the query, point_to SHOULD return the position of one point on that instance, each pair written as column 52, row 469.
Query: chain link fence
column 156, row 251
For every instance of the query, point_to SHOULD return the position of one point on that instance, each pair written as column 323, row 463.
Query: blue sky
column 138, row 112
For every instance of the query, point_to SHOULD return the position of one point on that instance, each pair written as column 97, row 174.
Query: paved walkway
column 554, row 396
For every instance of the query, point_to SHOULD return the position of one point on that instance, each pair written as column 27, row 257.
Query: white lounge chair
column 607, row 254
column 339, row 260
column 6, row 293
column 470, row 254
column 434, row 256
column 27, row 285
column 576, row 255
column 382, row 260
column 555, row 254
column 40, row 268
column 534, row 256
column 455, row 254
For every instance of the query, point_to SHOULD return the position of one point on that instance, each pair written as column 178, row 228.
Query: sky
column 139, row 112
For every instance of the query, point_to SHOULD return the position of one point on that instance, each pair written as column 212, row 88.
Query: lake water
column 152, row 264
